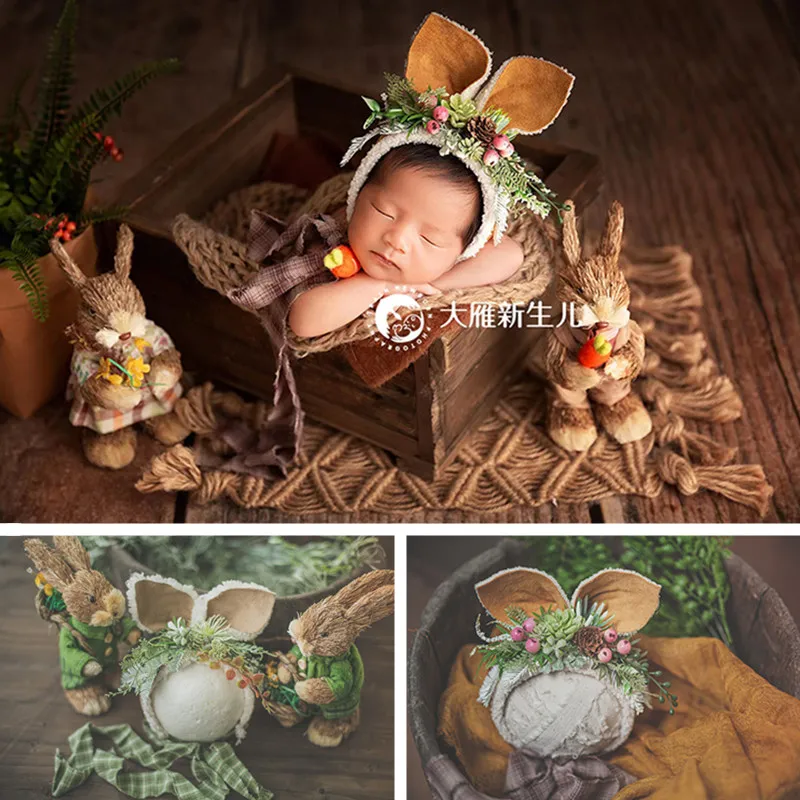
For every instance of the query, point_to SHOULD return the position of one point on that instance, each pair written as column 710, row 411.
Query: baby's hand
column 426, row 289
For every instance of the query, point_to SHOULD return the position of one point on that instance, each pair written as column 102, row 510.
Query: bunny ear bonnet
column 539, row 633
column 448, row 100
column 154, row 601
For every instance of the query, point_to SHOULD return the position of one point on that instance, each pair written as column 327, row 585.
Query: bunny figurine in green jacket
column 326, row 659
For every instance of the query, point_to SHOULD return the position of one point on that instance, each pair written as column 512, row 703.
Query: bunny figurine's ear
column 611, row 241
column 443, row 53
column 51, row 564
column 570, row 240
column 530, row 91
column 629, row 596
column 520, row 587
column 247, row 607
column 71, row 269
column 124, row 254
column 73, row 552
column 154, row 601
column 369, row 598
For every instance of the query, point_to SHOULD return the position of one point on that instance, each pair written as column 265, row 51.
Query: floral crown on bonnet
column 543, row 631
column 448, row 100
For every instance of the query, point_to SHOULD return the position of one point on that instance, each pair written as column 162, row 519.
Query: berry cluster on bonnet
column 448, row 99
column 566, row 677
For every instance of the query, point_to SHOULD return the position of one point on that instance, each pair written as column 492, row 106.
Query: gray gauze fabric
column 565, row 713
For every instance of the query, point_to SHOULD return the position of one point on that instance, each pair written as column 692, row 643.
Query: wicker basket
column 764, row 632
column 123, row 564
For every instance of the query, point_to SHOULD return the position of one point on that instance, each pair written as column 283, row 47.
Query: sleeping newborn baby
column 412, row 220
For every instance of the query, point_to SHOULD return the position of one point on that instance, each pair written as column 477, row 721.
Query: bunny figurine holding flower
column 125, row 369
column 599, row 359
column 326, row 667
column 90, row 614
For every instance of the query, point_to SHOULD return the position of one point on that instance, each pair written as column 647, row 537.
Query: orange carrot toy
column 595, row 352
column 342, row 262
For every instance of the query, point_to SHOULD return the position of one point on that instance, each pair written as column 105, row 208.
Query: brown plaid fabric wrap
column 530, row 777
column 294, row 255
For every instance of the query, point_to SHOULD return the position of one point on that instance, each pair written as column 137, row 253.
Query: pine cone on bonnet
column 482, row 129
column 589, row 640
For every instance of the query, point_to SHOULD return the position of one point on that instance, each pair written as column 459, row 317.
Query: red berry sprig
column 110, row 146
column 65, row 228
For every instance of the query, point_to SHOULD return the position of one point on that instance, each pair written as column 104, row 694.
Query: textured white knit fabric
column 198, row 704
column 489, row 218
column 566, row 713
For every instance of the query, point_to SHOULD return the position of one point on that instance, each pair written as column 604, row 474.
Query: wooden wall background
column 694, row 109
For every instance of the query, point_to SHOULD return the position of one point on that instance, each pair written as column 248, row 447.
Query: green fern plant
column 46, row 164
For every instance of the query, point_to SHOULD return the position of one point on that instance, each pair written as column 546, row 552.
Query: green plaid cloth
column 215, row 766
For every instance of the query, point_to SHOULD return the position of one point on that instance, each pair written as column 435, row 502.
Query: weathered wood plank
column 673, row 118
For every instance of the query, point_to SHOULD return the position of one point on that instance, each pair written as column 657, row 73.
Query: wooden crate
column 765, row 637
column 421, row 415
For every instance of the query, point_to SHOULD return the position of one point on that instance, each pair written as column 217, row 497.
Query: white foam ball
column 197, row 704
column 565, row 713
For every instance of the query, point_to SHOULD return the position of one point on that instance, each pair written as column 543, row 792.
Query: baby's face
column 407, row 228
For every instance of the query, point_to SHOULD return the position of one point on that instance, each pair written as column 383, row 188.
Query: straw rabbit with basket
column 90, row 615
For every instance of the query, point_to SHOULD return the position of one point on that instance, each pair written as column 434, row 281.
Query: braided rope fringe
column 509, row 461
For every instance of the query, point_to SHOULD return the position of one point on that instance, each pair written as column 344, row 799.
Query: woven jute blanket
column 509, row 460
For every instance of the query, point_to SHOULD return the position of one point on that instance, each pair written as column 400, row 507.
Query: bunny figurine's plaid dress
column 135, row 358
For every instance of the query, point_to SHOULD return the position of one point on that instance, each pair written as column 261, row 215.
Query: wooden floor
column 693, row 108
column 35, row 719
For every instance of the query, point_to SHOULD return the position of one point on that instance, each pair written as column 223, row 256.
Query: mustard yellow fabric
column 734, row 736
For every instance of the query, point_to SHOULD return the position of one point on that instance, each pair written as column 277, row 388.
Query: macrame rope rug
column 509, row 460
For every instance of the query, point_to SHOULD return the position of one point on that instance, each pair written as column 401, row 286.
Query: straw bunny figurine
column 566, row 677
column 205, row 695
column 90, row 615
column 600, row 359
column 327, row 661
column 125, row 369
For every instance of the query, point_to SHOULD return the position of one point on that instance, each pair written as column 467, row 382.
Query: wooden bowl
column 765, row 636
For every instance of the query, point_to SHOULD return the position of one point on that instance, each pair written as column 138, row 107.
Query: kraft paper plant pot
column 34, row 356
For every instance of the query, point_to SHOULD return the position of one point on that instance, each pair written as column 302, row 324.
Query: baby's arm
column 493, row 264
column 328, row 307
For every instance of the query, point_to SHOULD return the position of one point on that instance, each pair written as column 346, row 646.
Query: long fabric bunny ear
column 443, row 53
column 629, row 596
column 154, row 601
column 247, row 607
column 530, row 91
column 520, row 587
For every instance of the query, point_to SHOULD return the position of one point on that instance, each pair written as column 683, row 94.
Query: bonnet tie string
column 293, row 256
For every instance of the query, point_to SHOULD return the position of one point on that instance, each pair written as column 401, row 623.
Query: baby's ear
column 154, row 601
column 247, row 607
column 444, row 53
column 520, row 587
column 629, row 596
column 530, row 91
column 124, row 254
